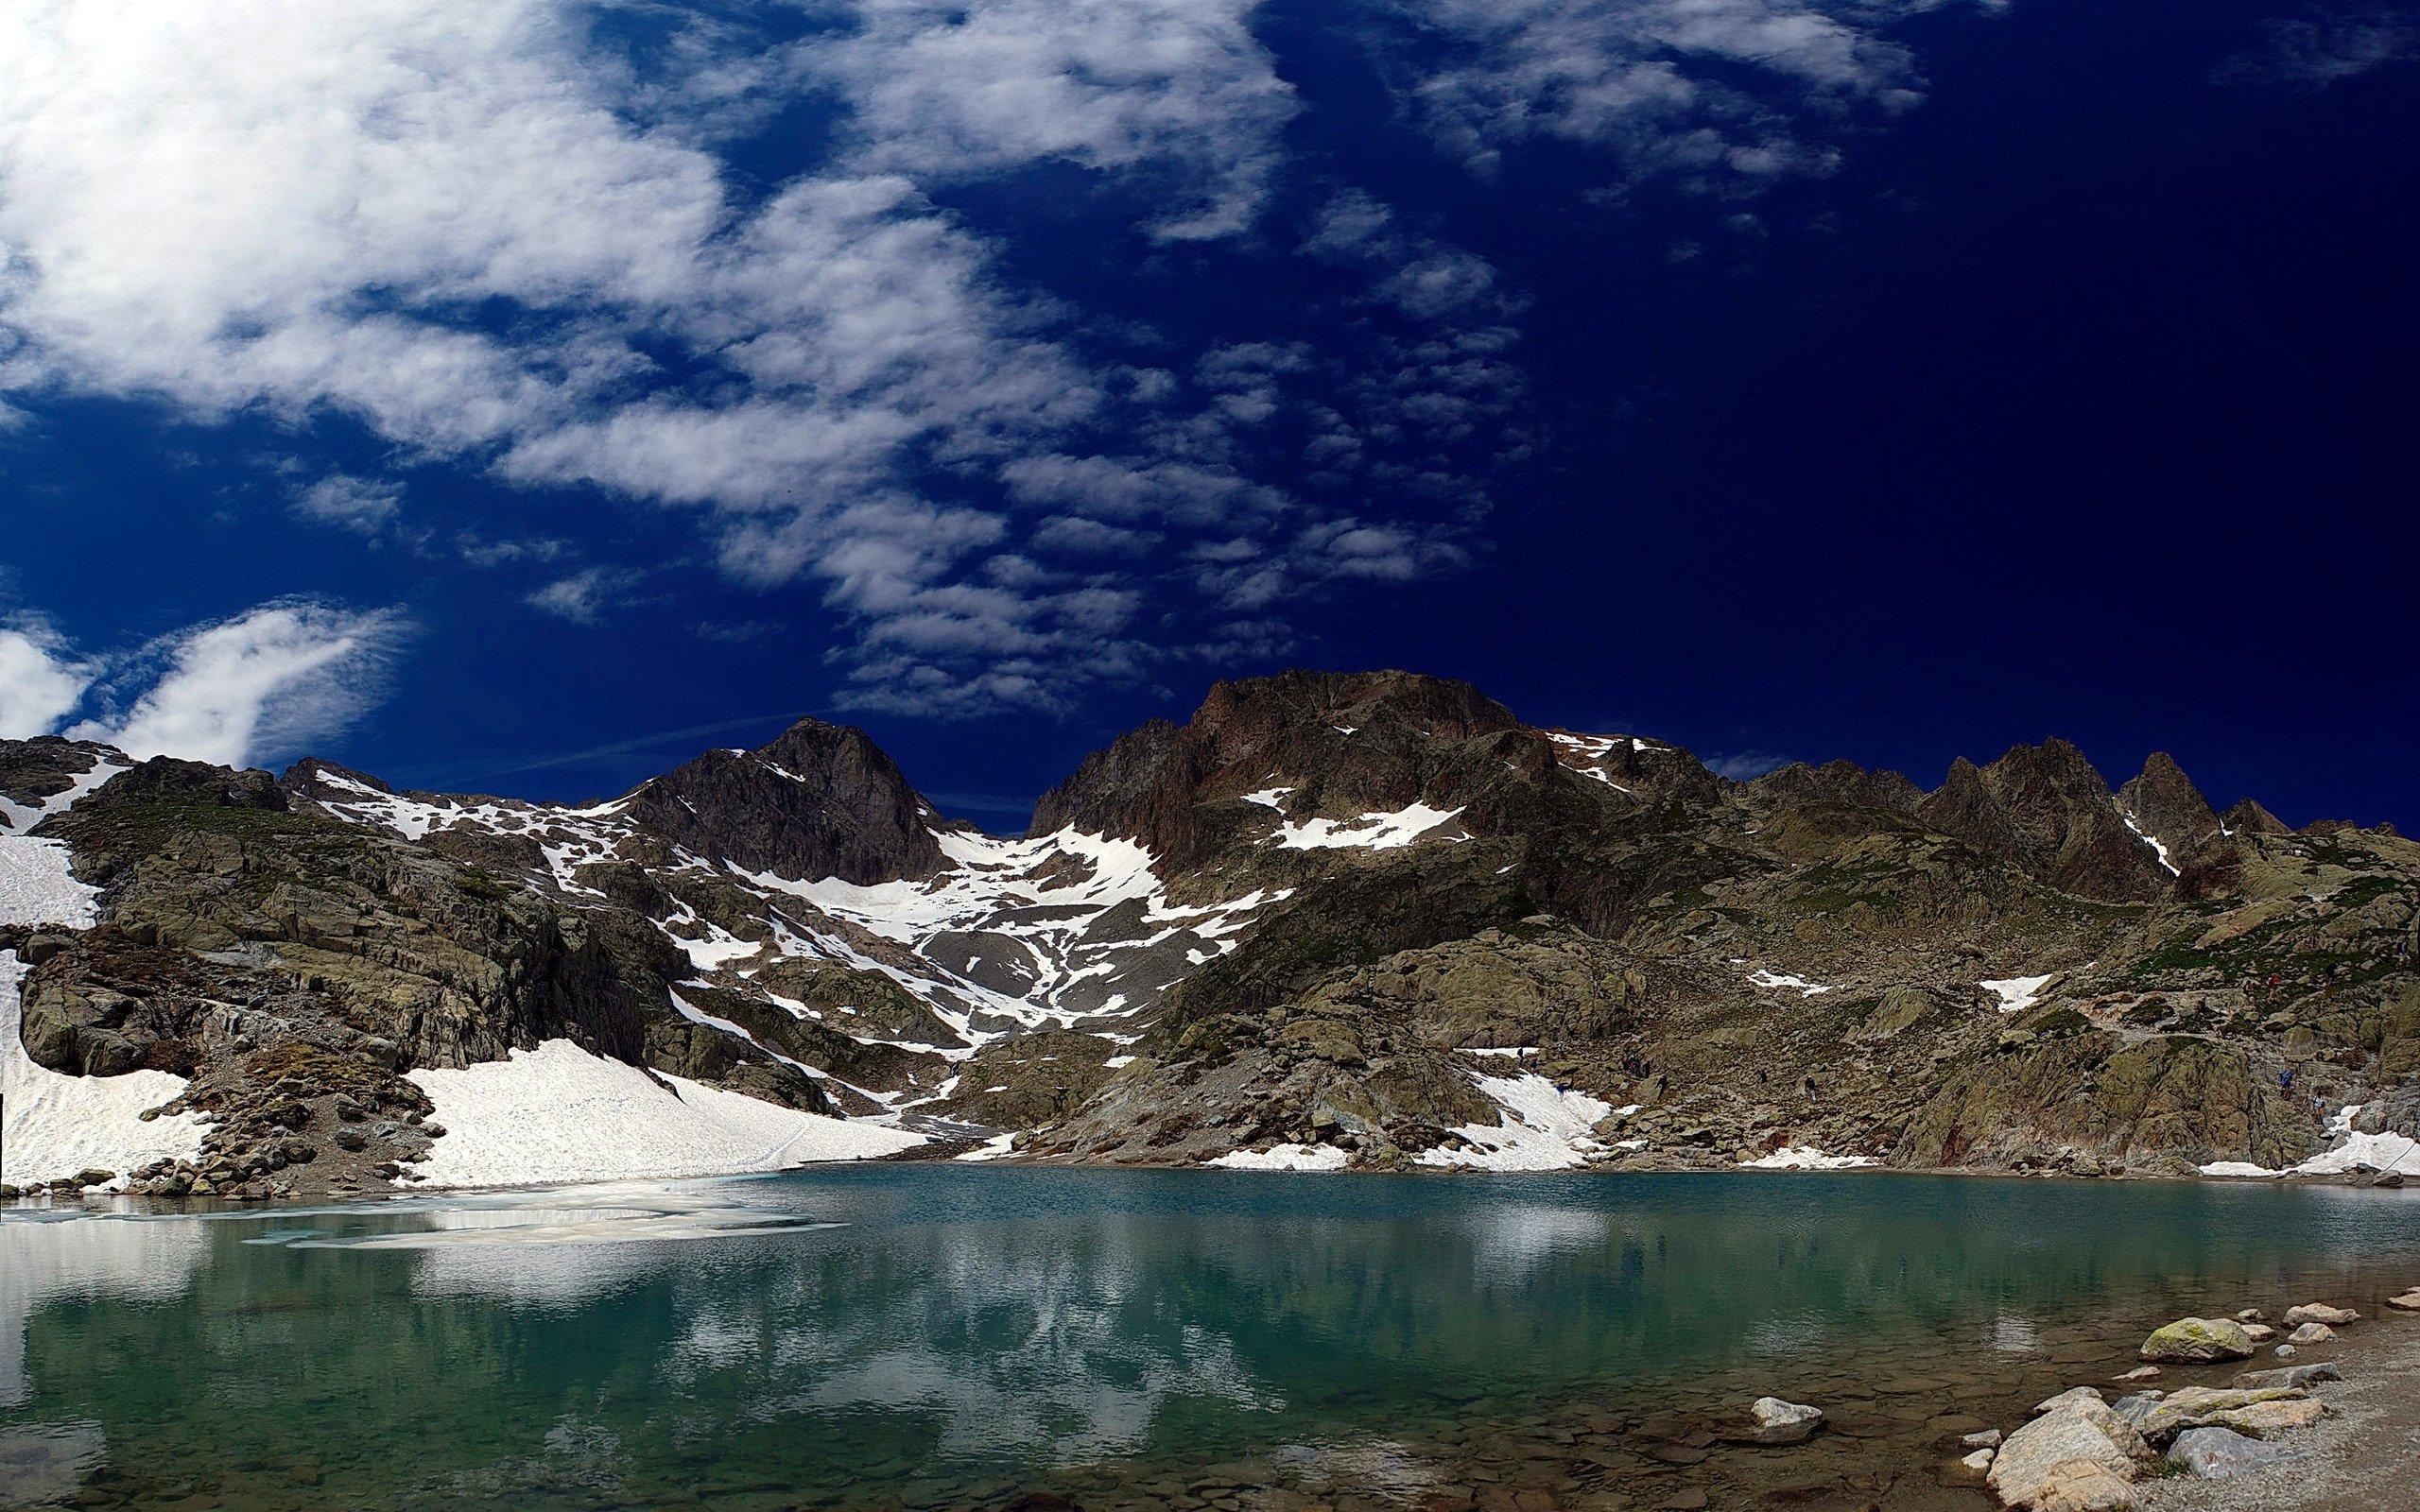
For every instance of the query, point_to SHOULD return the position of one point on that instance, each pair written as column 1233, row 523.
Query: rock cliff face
column 823, row 801
column 1368, row 918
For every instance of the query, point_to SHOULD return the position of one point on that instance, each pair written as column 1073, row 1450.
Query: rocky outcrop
column 1343, row 744
column 822, row 800
column 2047, row 808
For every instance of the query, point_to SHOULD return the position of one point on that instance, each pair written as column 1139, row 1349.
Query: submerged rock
column 1771, row 1420
column 2197, row 1341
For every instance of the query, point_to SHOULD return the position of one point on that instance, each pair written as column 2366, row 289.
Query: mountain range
column 1366, row 920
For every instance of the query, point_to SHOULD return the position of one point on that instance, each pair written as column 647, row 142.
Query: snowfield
column 1284, row 1158
column 1804, row 1158
column 558, row 1114
column 2398, row 1153
column 1370, row 832
column 2016, row 993
column 57, row 1126
column 1543, row 1127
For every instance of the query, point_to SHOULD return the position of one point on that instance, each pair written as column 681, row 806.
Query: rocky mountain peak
column 1840, row 782
column 2164, row 804
column 1366, row 741
column 820, row 801
column 2048, row 810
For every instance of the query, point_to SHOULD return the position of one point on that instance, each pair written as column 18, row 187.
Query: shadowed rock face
column 823, row 801
column 2045, row 808
column 1358, row 742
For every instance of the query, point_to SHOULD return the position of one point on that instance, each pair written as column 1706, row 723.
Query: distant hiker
column 2319, row 1110
column 1810, row 1088
column 2284, row 1081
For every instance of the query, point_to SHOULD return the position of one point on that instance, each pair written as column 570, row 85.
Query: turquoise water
column 914, row 1335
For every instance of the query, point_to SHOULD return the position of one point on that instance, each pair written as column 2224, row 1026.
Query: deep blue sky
column 1966, row 375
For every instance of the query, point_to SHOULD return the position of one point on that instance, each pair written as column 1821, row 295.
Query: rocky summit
column 1371, row 921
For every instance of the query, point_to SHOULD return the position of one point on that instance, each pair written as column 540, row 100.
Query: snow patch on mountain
column 2016, row 993
column 1543, row 1127
column 1804, row 1158
column 1284, row 1158
column 1765, row 977
column 559, row 1113
column 18, row 818
column 1389, row 831
column 60, row 1126
column 2149, row 839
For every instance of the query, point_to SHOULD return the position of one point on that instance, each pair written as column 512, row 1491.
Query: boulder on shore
column 2408, row 1302
column 2292, row 1375
column 2041, row 1465
column 2221, row 1454
column 2247, row 1411
column 2198, row 1341
column 2079, row 1486
column 2312, row 1334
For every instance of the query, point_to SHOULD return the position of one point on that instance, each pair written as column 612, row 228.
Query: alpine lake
column 935, row 1335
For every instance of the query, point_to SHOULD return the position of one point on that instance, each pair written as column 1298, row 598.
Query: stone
column 2073, row 1394
column 1988, row 1438
column 2312, row 1334
column 2080, row 1486
column 2262, row 1418
column 2076, row 1432
column 2285, row 1352
column 2320, row 1312
column 1771, row 1420
column 2198, row 1341
column 2141, row 1372
column 2408, row 1302
column 2199, row 1406
column 2252, row 1315
column 1971, row 1470
column 2220, row 1454
column 2260, row 1333
column 2295, row 1376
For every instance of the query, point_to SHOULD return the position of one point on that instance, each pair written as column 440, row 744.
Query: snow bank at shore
column 1284, row 1158
column 1804, row 1158
column 559, row 1113
column 60, row 1126
column 2398, row 1153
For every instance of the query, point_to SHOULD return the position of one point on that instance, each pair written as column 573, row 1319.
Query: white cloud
column 265, row 681
column 363, row 504
column 1651, row 79
column 493, row 239
column 41, row 681
column 2317, row 49
column 583, row 596
column 1180, row 88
